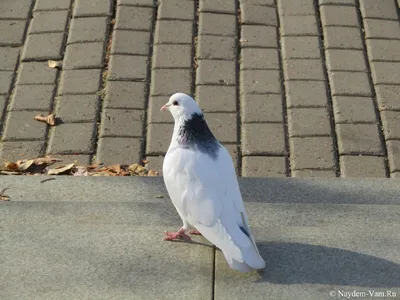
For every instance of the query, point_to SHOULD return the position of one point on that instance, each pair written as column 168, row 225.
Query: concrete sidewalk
column 292, row 87
column 100, row 238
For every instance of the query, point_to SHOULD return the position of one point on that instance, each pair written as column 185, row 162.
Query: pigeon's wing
column 210, row 200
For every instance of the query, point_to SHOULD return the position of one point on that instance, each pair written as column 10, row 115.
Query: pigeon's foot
column 195, row 232
column 181, row 235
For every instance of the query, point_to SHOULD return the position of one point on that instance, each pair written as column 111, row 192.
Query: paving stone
column 362, row 166
column 78, row 108
column 382, row 9
column 3, row 101
column 5, row 81
column 37, row 97
column 383, row 49
column 16, row 150
column 218, row 6
column 300, row 47
column 308, row 122
column 154, row 114
column 311, row 153
column 259, row 36
column 175, row 32
column 176, row 10
column 12, row 32
column 260, row 2
column 217, row 24
column 52, row 5
column 127, row 67
column 303, row 69
column 122, row 122
column 295, row 8
column 155, row 163
column 381, row 29
column 43, row 46
column 84, row 8
column 172, row 56
column 306, row 94
column 261, row 108
column 339, row 16
column 385, row 72
column 139, row 18
column 88, row 30
column 393, row 149
column 260, row 82
column 223, row 126
column 21, row 125
column 349, row 83
column 342, row 37
column 388, row 96
column 9, row 58
column 353, row 109
column 216, row 98
column 84, row 56
column 299, row 25
column 72, row 138
column 216, row 72
column 216, row 47
column 17, row 9
column 158, row 138
column 314, row 173
column 395, row 174
column 263, row 166
column 130, row 42
column 259, row 58
column 345, row 60
column 48, row 21
column 391, row 122
column 170, row 81
column 148, row 3
column 36, row 73
column 337, row 2
column 263, row 139
column 358, row 139
column 117, row 150
column 125, row 94
column 258, row 15
column 80, row 81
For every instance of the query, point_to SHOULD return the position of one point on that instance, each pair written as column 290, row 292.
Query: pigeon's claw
column 181, row 235
column 195, row 232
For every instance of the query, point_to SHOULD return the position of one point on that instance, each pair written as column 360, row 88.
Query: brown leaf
column 4, row 197
column 11, row 166
column 47, row 160
column 60, row 170
column 24, row 165
column 80, row 171
column 145, row 161
column 54, row 64
column 114, row 168
column 50, row 119
column 152, row 173
column 9, row 173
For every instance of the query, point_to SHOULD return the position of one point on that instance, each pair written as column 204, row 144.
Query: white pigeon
column 201, row 181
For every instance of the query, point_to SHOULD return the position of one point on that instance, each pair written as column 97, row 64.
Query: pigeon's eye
column 175, row 103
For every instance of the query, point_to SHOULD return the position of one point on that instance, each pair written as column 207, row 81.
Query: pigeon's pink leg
column 170, row 236
column 195, row 232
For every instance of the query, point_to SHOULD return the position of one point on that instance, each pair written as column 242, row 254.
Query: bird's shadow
column 296, row 263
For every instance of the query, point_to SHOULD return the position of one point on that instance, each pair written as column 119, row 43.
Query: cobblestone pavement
column 291, row 87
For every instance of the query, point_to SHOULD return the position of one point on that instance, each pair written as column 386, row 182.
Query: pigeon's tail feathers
column 252, row 258
column 236, row 265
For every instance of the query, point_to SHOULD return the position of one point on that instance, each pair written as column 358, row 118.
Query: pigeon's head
column 182, row 106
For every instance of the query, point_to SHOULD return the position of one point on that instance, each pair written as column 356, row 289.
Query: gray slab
column 100, row 238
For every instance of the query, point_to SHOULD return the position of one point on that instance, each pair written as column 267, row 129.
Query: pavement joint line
column 284, row 100
column 195, row 34
column 371, row 83
column 143, row 146
column 238, row 91
column 6, row 109
column 104, row 78
column 331, row 114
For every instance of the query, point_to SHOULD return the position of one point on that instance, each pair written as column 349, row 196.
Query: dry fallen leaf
column 9, row 173
column 47, row 160
column 24, row 165
column 145, row 161
column 11, row 166
column 60, row 170
column 80, row 171
column 152, row 173
column 50, row 119
column 54, row 64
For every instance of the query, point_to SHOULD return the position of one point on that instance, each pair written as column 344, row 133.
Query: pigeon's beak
column 165, row 107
